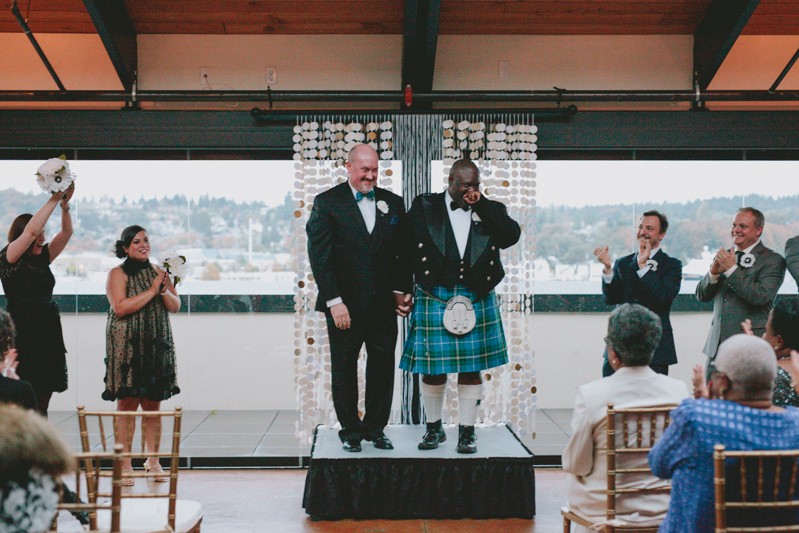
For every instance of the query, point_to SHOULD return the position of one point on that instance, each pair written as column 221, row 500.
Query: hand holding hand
column 403, row 304
column 341, row 316
column 700, row 385
column 603, row 256
column 167, row 285
column 471, row 196
column 158, row 282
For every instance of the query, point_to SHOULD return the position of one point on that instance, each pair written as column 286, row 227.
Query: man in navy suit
column 648, row 277
column 352, row 246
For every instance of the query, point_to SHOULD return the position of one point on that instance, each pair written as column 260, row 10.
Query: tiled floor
column 266, row 438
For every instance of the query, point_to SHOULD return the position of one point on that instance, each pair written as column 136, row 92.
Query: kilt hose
column 430, row 349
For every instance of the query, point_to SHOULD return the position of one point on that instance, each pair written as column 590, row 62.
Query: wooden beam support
column 116, row 30
column 716, row 34
column 420, row 39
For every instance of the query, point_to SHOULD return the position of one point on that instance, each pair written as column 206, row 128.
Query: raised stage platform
column 496, row 482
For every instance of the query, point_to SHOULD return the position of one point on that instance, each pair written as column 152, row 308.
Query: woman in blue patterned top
column 740, row 416
column 782, row 333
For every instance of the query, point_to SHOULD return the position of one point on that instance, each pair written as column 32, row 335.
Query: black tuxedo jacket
column 424, row 249
column 656, row 291
column 17, row 392
column 346, row 260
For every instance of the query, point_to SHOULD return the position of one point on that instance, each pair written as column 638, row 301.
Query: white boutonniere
column 747, row 260
column 652, row 264
column 54, row 175
column 382, row 206
column 476, row 217
column 175, row 265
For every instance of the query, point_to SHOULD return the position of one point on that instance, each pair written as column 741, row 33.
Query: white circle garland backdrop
column 504, row 150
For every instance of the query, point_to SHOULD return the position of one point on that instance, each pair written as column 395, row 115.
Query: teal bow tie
column 360, row 196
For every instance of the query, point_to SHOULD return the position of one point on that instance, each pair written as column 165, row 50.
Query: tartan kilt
column 431, row 349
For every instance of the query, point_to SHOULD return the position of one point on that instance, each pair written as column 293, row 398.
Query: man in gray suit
column 742, row 281
column 792, row 257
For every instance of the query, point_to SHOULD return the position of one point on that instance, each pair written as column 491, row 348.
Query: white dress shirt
column 461, row 222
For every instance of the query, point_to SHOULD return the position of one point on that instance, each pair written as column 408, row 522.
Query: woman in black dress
column 28, row 285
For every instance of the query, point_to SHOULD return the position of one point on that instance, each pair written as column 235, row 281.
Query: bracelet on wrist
column 65, row 207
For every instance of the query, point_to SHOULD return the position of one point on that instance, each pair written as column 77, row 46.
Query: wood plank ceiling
column 458, row 17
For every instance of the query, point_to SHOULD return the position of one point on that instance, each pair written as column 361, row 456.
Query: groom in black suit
column 648, row 277
column 352, row 246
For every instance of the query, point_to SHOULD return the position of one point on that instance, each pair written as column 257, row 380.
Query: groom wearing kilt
column 451, row 248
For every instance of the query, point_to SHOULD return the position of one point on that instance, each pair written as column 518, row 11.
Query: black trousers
column 378, row 331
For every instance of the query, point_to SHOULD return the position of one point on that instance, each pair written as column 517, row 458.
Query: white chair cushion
column 150, row 515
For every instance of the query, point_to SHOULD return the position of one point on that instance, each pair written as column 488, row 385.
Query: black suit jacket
column 17, row 392
column 425, row 235
column 656, row 291
column 346, row 260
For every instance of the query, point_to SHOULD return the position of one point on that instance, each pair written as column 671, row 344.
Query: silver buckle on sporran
column 459, row 316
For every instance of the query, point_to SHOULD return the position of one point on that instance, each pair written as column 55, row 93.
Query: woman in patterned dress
column 782, row 333
column 140, row 352
column 28, row 285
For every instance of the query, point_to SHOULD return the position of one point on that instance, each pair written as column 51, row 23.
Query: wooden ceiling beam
column 116, row 30
column 716, row 35
column 419, row 42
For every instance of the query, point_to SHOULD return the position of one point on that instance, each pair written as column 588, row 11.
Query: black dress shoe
column 352, row 445
column 466, row 440
column 382, row 442
column 434, row 436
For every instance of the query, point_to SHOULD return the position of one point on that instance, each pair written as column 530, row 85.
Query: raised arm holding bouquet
column 28, row 284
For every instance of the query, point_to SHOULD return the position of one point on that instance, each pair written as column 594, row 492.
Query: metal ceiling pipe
column 25, row 28
column 397, row 97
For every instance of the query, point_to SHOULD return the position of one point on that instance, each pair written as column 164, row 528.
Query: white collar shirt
column 367, row 209
column 461, row 222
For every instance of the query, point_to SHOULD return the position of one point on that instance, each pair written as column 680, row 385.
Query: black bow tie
column 454, row 205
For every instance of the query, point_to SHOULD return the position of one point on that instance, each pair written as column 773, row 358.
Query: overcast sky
column 572, row 183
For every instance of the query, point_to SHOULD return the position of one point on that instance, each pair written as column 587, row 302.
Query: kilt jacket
column 349, row 262
column 656, row 291
column 747, row 293
column 425, row 233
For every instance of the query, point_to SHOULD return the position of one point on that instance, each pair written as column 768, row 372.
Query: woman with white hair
column 32, row 457
column 738, row 414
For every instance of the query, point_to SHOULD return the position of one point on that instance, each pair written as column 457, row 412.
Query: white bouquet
column 54, row 175
column 175, row 265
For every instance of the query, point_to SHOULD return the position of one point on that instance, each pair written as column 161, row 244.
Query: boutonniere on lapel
column 476, row 217
column 747, row 260
column 652, row 264
column 382, row 206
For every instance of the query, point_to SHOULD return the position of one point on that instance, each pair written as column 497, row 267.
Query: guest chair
column 98, row 496
column 144, row 509
column 756, row 490
column 640, row 429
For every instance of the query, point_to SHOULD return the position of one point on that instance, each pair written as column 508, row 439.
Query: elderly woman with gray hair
column 32, row 457
column 738, row 414
column 633, row 334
